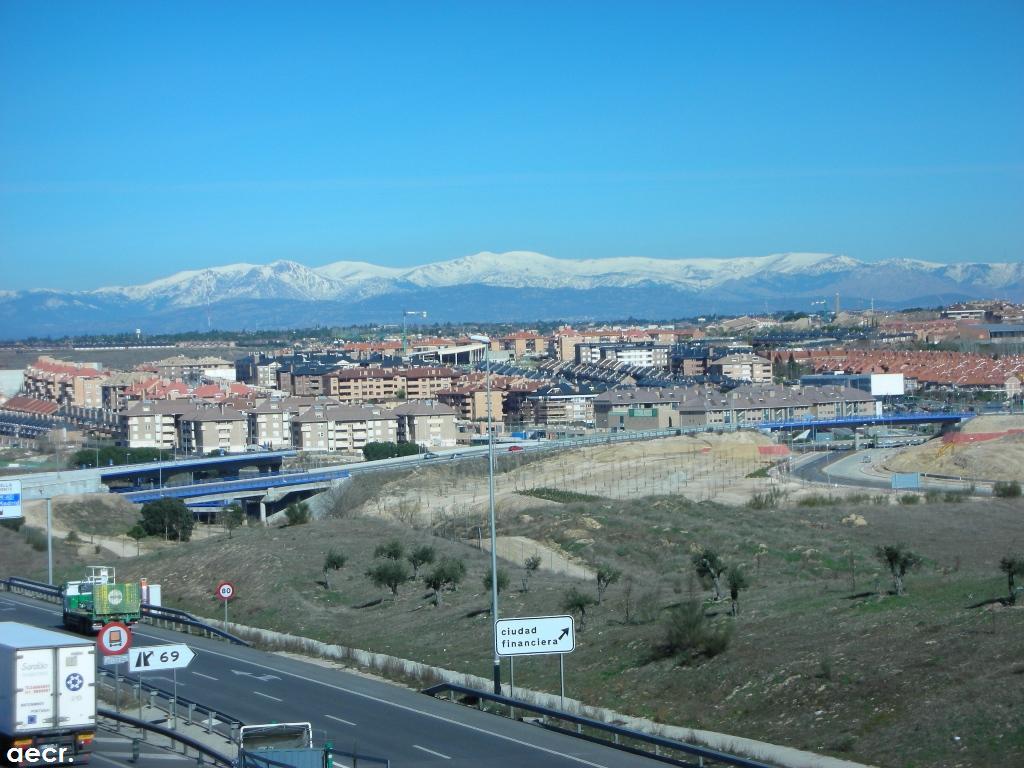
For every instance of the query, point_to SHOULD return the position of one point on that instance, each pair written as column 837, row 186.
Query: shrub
column 576, row 603
column 899, row 560
column 818, row 500
column 1004, row 489
column 909, row 499
column 231, row 517
column 334, row 560
column 297, row 513
column 503, row 580
column 530, row 566
column 558, row 495
column 689, row 634
column 392, row 550
column 389, row 573
column 169, row 517
column 606, row 576
column 12, row 523
column 35, row 538
column 445, row 575
column 420, row 556
column 375, row 451
column 769, row 500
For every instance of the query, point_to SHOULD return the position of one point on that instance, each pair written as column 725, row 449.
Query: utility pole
column 490, row 500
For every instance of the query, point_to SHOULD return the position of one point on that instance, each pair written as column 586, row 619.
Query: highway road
column 842, row 468
column 351, row 710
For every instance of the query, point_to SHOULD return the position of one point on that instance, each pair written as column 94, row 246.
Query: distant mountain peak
column 502, row 286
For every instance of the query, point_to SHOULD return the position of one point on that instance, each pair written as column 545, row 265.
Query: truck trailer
column 99, row 599
column 47, row 696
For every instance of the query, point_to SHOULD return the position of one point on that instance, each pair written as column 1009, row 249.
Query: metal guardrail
column 255, row 484
column 174, row 616
column 188, row 711
column 151, row 612
column 617, row 732
column 247, row 759
column 204, row 752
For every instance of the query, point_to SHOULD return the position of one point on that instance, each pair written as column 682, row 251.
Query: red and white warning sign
column 115, row 638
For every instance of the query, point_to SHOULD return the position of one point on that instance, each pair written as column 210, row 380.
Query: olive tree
column 899, row 560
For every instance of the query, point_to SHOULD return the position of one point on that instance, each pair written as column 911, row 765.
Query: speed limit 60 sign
column 225, row 590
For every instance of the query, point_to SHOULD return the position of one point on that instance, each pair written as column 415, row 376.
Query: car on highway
column 515, row 448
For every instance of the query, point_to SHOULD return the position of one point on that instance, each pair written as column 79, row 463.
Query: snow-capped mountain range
column 518, row 285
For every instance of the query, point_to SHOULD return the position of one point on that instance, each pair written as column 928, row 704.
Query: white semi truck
column 47, row 696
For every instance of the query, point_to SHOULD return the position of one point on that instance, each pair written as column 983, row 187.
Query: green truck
column 99, row 599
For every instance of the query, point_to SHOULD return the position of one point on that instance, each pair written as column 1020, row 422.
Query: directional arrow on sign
column 154, row 657
column 264, row 678
column 565, row 633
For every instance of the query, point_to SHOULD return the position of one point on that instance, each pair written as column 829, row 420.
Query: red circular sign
column 225, row 590
column 114, row 639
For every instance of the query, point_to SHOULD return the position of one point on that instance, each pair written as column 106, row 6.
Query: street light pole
column 490, row 502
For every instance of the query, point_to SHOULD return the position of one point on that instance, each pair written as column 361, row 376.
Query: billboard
column 887, row 384
column 10, row 499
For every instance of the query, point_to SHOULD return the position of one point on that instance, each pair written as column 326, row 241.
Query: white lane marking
column 377, row 699
column 417, row 746
column 267, row 696
column 208, row 677
column 340, row 720
column 37, row 607
column 94, row 757
column 413, row 710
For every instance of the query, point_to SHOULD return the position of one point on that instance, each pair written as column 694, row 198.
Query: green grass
column 554, row 494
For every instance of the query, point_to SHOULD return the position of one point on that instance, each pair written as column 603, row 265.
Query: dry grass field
column 821, row 656
column 878, row 678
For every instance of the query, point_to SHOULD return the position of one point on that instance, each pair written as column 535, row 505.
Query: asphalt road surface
column 354, row 712
column 845, row 468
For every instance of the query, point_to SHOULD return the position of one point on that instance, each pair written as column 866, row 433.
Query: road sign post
column 225, row 591
column 159, row 657
column 534, row 636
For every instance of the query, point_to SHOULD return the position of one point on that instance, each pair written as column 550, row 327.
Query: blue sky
column 137, row 139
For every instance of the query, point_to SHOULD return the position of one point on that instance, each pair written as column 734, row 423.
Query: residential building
column 743, row 367
column 643, row 353
column 562, row 404
column 471, row 402
column 206, row 428
column 182, row 367
column 152, row 423
column 430, row 424
column 270, row 421
column 342, row 428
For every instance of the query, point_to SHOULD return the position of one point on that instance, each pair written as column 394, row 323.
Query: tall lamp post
column 490, row 503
